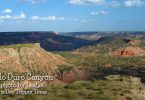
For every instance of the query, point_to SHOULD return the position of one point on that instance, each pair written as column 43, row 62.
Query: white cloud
column 34, row 1
column 19, row 17
column 72, row 19
column 87, row 1
column 35, row 17
column 7, row 11
column 61, row 18
column 134, row 3
column 76, row 2
column 47, row 18
column 101, row 12
column 5, row 17
column 15, row 17
column 113, row 3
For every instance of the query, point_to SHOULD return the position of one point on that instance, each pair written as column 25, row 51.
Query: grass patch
column 17, row 46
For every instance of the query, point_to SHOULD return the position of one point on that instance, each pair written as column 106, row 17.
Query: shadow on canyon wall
column 78, row 74
column 123, row 71
column 49, row 41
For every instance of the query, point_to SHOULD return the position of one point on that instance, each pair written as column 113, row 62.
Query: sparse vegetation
column 17, row 46
column 96, row 57
column 98, row 90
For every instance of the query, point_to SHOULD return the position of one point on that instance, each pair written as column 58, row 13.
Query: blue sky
column 72, row 15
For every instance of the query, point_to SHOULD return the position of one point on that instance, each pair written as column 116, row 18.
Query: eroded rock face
column 9, row 60
column 29, row 59
column 56, row 33
column 73, row 75
column 129, row 51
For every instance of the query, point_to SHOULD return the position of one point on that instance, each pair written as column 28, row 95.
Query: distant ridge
column 51, row 41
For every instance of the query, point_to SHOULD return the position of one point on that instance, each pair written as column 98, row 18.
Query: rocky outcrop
column 129, row 51
column 69, row 75
column 56, row 33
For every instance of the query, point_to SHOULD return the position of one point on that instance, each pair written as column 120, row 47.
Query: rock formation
column 28, row 58
column 129, row 51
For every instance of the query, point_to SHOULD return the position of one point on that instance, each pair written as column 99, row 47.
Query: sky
column 72, row 15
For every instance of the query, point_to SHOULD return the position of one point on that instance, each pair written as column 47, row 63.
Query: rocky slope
column 109, row 44
column 28, row 58
column 129, row 51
